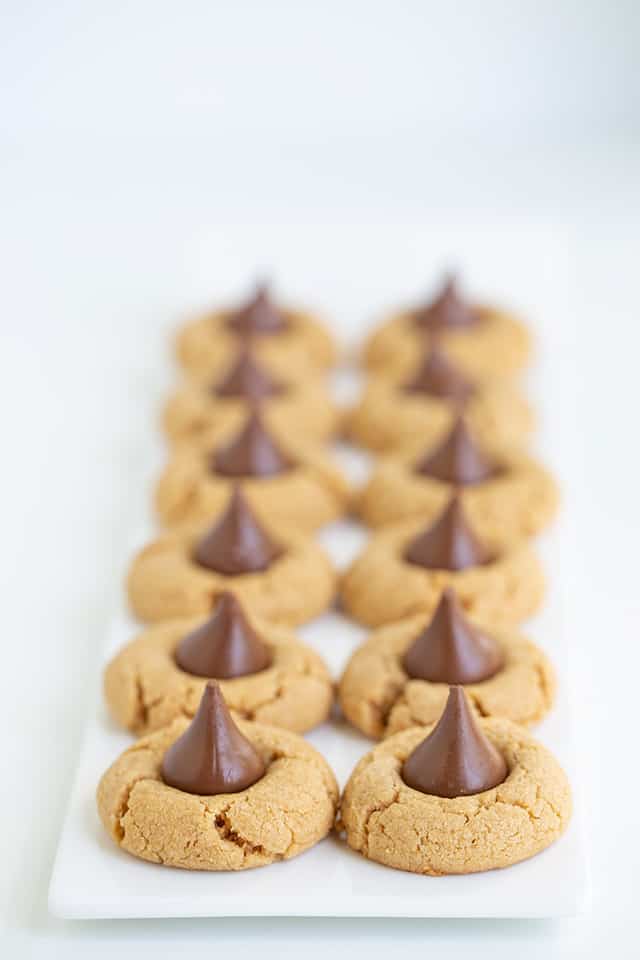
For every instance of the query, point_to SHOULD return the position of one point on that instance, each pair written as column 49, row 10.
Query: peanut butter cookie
column 206, row 346
column 394, row 413
column 500, row 491
column 405, row 567
column 211, row 794
column 292, row 407
column 400, row 676
column 517, row 803
column 282, row 576
column 483, row 341
column 264, row 672
column 291, row 484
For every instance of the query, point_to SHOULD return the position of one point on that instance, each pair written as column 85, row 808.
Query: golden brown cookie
column 146, row 689
column 498, row 346
column 280, row 575
column 206, row 345
column 378, row 696
column 301, row 407
column 288, row 810
column 520, row 497
column 396, row 825
column 307, row 493
column 382, row 585
column 387, row 417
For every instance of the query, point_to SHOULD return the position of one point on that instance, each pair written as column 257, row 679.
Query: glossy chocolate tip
column 449, row 543
column 212, row 756
column 253, row 452
column 437, row 376
column 237, row 543
column 447, row 311
column 458, row 459
column 456, row 759
column 259, row 316
column 247, row 380
column 452, row 650
column 225, row 646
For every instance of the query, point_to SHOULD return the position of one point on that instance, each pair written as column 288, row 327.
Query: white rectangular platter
column 93, row 879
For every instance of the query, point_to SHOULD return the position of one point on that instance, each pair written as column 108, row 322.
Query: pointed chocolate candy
column 252, row 453
column 449, row 544
column 438, row 377
column 259, row 316
column 456, row 759
column 458, row 459
column 247, row 380
column 212, row 756
column 452, row 650
column 446, row 311
column 237, row 543
column 225, row 646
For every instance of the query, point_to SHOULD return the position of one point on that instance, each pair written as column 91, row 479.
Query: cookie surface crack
column 228, row 834
column 379, row 808
column 123, row 808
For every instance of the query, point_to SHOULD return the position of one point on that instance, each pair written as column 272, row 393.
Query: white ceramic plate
column 93, row 879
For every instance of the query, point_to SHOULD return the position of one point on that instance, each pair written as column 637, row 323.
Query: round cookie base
column 206, row 346
column 381, row 587
column 380, row 699
column 387, row 419
column 305, row 498
column 165, row 584
column 306, row 410
column 285, row 813
column 395, row 825
column 145, row 689
column 499, row 346
column 522, row 498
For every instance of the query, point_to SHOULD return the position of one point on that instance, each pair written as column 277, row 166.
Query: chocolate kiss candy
column 252, row 453
column 247, row 380
column 438, row 377
column 237, row 543
column 212, row 756
column 225, row 646
column 451, row 650
column 449, row 544
column 448, row 310
column 458, row 459
column 260, row 315
column 456, row 759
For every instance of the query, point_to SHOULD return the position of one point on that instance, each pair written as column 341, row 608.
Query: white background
column 127, row 132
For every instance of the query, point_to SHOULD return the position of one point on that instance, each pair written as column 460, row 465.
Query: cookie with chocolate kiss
column 483, row 340
column 237, row 543
column 259, row 316
column 455, row 759
column 399, row 677
column 404, row 567
column 217, row 793
column 253, row 452
column 449, row 544
column 501, row 489
column 455, row 797
column 246, row 379
column 448, row 310
column 212, row 756
column 284, row 577
column 418, row 405
column 295, row 484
